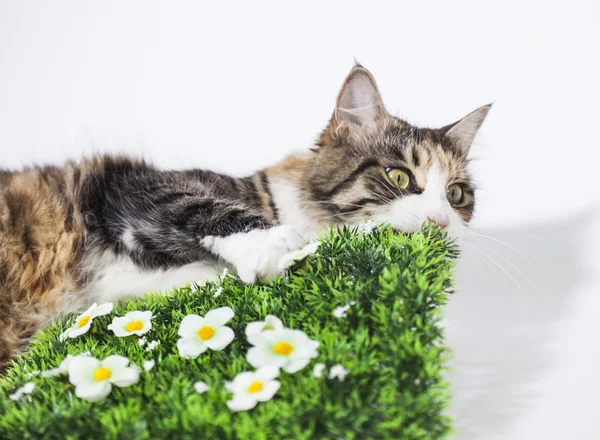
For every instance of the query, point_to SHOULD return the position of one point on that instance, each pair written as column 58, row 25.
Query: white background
column 236, row 85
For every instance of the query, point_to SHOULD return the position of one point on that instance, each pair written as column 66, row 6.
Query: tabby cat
column 110, row 227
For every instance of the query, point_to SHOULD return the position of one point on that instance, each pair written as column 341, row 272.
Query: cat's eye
column 398, row 177
column 455, row 194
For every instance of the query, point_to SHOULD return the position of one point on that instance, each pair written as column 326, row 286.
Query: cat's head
column 370, row 164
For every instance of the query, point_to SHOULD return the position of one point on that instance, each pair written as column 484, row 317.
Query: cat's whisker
column 505, row 259
column 513, row 248
column 330, row 203
column 517, row 284
column 477, row 253
column 386, row 186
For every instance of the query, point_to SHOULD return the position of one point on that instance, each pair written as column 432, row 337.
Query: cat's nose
column 441, row 220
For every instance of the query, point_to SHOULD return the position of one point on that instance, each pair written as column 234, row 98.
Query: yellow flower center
column 101, row 374
column 255, row 387
column 83, row 321
column 134, row 326
column 206, row 332
column 283, row 348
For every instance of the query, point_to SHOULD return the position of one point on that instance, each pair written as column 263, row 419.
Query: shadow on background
column 514, row 287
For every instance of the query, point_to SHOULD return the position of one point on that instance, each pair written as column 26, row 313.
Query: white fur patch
column 128, row 239
column 115, row 278
column 410, row 212
column 291, row 210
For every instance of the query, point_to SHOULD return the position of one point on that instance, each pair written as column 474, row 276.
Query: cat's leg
column 257, row 252
column 163, row 221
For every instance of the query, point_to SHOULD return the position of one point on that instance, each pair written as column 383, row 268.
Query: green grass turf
column 390, row 342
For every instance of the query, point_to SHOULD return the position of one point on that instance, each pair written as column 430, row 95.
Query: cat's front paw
column 256, row 253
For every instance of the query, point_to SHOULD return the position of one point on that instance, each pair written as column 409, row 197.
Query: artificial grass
column 390, row 342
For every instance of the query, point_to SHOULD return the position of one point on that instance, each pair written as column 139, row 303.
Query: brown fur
column 41, row 239
column 41, row 246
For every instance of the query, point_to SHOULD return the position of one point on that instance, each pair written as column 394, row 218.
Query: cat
column 109, row 227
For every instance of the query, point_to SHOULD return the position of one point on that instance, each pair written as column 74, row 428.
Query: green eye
column 399, row 178
column 455, row 194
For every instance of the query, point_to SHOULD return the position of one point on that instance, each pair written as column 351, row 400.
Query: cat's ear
column 462, row 133
column 359, row 106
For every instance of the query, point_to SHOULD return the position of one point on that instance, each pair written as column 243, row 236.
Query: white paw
column 258, row 252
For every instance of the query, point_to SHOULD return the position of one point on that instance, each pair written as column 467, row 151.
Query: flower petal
column 64, row 335
column 296, row 365
column 93, row 391
column 218, row 317
column 267, row 373
column 190, row 325
column 149, row 364
column 201, row 387
column 268, row 391
column 241, row 382
column 125, row 377
column 146, row 327
column 318, row 369
column 78, row 331
column 82, row 368
column 241, row 402
column 191, row 348
column 88, row 312
column 311, row 248
column 254, row 330
column 118, row 326
column 115, row 362
column 221, row 339
column 137, row 315
column 257, row 358
column 101, row 310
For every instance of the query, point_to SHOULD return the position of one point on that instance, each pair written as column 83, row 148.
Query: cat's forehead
column 420, row 150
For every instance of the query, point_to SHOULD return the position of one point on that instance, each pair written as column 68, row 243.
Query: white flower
column 201, row 387
column 225, row 273
column 254, row 330
column 152, row 345
column 318, row 369
column 133, row 323
column 142, row 341
column 20, row 392
column 149, row 364
column 199, row 334
column 84, row 321
column 289, row 349
column 290, row 258
column 33, row 373
column 367, row 227
column 93, row 378
column 339, row 372
column 340, row 312
column 249, row 388
column 218, row 292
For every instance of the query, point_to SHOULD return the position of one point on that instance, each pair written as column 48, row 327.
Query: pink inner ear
column 359, row 101
column 358, row 93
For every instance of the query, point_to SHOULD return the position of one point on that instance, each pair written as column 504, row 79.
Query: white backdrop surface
column 235, row 86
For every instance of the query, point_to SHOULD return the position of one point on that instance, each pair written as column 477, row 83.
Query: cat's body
column 111, row 227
